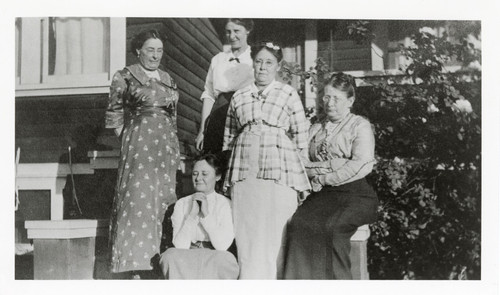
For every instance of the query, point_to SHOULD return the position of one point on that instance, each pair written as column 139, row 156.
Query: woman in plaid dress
column 266, row 132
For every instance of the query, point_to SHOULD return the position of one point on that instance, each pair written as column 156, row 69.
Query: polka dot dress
column 147, row 167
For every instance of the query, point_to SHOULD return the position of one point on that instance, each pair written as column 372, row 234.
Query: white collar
column 151, row 74
column 230, row 53
column 212, row 194
column 267, row 89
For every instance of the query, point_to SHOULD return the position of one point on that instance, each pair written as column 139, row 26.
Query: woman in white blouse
column 229, row 71
column 202, row 230
column 341, row 152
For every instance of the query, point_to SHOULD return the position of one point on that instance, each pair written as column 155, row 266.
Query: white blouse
column 226, row 74
column 216, row 227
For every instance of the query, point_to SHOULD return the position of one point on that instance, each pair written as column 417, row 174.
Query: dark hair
column 144, row 36
column 212, row 160
column 342, row 82
column 245, row 22
column 270, row 46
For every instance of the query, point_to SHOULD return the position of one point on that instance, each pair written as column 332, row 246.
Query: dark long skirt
column 214, row 127
column 318, row 237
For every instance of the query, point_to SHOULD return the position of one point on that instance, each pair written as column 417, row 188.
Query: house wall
column 47, row 125
column 345, row 55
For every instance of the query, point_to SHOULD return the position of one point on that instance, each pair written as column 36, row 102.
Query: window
column 68, row 55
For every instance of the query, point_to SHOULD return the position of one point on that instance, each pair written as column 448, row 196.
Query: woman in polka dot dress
column 142, row 111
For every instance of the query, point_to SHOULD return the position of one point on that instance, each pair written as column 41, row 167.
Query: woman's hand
column 199, row 141
column 311, row 172
column 195, row 209
column 316, row 183
column 200, row 197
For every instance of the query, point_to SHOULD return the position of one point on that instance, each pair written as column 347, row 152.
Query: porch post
column 379, row 46
column 310, row 56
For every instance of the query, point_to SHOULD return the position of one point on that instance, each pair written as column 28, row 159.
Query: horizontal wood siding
column 345, row 55
column 46, row 126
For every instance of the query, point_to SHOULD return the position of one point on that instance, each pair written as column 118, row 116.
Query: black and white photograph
column 274, row 148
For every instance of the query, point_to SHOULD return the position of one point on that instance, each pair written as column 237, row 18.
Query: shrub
column 428, row 175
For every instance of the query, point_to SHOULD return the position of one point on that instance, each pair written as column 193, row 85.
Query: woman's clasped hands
column 199, row 206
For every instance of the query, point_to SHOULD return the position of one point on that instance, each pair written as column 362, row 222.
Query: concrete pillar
column 359, row 257
column 65, row 249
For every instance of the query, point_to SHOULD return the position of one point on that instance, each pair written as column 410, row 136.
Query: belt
column 201, row 245
column 260, row 126
column 150, row 110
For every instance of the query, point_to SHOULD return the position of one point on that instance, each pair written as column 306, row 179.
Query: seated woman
column 202, row 230
column 341, row 152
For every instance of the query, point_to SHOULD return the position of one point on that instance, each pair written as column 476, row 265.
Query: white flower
column 432, row 108
column 463, row 105
column 419, row 81
column 475, row 65
column 272, row 46
column 424, row 120
column 428, row 30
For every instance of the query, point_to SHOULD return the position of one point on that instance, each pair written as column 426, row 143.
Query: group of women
column 297, row 192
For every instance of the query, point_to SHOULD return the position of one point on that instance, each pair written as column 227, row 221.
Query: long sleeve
column 358, row 166
column 184, row 227
column 230, row 128
column 219, row 225
column 209, row 92
column 114, row 112
column 299, row 125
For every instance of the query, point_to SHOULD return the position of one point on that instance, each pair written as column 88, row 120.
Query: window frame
column 31, row 81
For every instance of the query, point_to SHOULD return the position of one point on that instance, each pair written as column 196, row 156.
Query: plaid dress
column 278, row 116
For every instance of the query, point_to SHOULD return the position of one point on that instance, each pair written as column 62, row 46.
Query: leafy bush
column 428, row 175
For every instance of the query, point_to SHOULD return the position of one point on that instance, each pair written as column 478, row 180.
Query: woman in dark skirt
column 341, row 151
column 229, row 71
